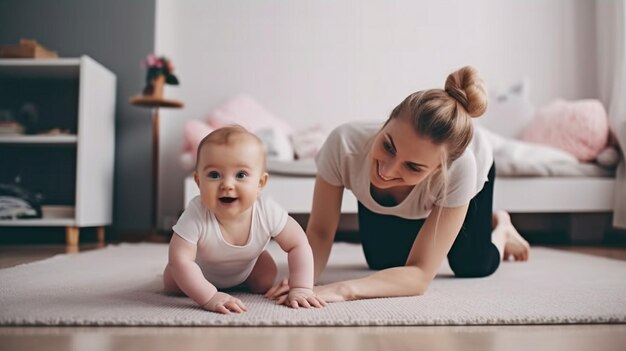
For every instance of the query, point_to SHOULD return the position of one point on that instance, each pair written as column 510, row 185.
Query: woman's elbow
column 418, row 288
column 420, row 282
column 408, row 281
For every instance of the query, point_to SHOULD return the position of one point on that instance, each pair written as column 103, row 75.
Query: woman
column 424, row 182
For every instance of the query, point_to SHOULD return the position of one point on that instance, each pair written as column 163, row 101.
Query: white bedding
column 513, row 158
column 504, row 168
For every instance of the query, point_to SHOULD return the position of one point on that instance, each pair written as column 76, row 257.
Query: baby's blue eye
column 242, row 175
column 213, row 175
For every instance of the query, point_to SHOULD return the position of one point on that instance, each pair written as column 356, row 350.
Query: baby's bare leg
column 263, row 274
column 169, row 284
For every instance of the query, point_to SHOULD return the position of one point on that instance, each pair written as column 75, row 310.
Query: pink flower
column 152, row 61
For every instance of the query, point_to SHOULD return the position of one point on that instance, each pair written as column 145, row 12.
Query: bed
column 526, row 194
column 522, row 187
column 530, row 177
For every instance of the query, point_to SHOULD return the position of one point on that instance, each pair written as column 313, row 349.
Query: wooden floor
column 483, row 338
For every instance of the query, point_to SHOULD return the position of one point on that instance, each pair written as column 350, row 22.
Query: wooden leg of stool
column 100, row 231
column 71, row 236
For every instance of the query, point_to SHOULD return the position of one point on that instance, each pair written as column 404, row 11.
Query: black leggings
column 387, row 239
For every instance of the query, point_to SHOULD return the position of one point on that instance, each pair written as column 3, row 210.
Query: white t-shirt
column 343, row 161
column 223, row 264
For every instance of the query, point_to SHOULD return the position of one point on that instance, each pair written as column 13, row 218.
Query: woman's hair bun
column 468, row 89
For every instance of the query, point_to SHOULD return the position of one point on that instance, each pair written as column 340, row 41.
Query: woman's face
column 400, row 157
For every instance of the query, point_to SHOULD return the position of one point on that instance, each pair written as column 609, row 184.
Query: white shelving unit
column 38, row 139
column 73, row 171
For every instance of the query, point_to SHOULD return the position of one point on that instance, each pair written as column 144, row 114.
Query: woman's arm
column 187, row 273
column 323, row 221
column 428, row 251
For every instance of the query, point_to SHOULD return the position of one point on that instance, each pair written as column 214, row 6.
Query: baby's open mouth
column 228, row 200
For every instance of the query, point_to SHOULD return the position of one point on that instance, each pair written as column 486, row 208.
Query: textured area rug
column 121, row 285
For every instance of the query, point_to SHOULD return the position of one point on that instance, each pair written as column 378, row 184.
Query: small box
column 26, row 49
column 54, row 211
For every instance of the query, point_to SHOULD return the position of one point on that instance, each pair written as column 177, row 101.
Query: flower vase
column 155, row 90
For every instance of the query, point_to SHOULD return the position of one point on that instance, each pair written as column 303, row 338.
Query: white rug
column 120, row 285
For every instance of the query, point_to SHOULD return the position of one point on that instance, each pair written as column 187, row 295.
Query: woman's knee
column 475, row 271
column 477, row 266
column 380, row 262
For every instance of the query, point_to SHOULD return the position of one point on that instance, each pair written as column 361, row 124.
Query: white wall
column 329, row 62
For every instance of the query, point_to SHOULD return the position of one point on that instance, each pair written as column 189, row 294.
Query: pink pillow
column 194, row 132
column 578, row 127
column 247, row 112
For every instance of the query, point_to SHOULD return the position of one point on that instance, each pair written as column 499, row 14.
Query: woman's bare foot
column 515, row 245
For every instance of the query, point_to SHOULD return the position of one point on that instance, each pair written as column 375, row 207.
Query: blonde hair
column 224, row 136
column 444, row 117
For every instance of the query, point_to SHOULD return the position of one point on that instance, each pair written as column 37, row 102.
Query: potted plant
column 159, row 72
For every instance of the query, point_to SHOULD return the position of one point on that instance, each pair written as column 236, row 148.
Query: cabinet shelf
column 40, row 68
column 38, row 222
column 72, row 169
column 38, row 139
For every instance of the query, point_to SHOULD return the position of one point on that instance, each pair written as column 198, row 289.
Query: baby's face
column 230, row 176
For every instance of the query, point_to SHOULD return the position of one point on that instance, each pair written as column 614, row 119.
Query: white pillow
column 308, row 142
column 509, row 111
column 277, row 144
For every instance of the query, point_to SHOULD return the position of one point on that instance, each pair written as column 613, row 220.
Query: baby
column 219, row 241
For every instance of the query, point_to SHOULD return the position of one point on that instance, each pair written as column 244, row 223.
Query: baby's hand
column 302, row 297
column 224, row 303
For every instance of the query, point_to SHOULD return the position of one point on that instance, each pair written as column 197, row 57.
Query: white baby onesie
column 223, row 264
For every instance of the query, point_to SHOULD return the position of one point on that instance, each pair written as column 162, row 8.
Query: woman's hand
column 294, row 297
column 224, row 303
column 278, row 290
column 333, row 292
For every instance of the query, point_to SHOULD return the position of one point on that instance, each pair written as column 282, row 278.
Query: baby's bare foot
column 515, row 246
